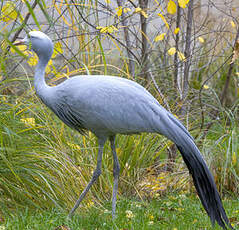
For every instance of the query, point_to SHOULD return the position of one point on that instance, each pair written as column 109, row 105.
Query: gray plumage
column 108, row 105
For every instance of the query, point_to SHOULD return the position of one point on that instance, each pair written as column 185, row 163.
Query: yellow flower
column 151, row 217
column 150, row 223
column 206, row 87
column 129, row 214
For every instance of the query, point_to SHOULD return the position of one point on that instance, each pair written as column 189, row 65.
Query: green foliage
column 174, row 212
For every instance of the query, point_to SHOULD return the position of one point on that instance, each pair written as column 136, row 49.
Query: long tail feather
column 205, row 186
column 202, row 177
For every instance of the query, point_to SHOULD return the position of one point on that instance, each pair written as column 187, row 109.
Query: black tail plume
column 204, row 184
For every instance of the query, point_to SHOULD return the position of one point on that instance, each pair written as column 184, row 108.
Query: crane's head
column 39, row 42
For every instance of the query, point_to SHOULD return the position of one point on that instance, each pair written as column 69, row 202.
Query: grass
column 173, row 212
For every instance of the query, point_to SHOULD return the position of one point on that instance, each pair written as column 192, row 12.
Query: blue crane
column 108, row 105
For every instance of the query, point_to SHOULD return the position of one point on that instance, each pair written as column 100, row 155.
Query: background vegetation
column 181, row 51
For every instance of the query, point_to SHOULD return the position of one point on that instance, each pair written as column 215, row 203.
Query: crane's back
column 105, row 105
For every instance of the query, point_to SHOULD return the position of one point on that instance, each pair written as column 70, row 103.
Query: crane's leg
column 95, row 176
column 116, row 171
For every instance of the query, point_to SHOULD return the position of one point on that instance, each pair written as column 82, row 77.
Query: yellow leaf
column 159, row 37
column 57, row 49
column 181, row 56
column 234, row 158
column 3, row 45
column 201, row 39
column 103, row 30
column 233, row 24
column 183, row 3
column 138, row 9
column 119, row 11
column 176, row 31
column 8, row 12
column 29, row 121
column 235, row 52
column 144, row 14
column 205, row 86
column 172, row 8
column 172, row 51
column 110, row 29
column 20, row 47
column 114, row 28
column 48, row 68
column 126, row 10
column 32, row 61
column 107, row 1
column 164, row 20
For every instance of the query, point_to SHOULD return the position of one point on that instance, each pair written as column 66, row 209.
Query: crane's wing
column 72, row 118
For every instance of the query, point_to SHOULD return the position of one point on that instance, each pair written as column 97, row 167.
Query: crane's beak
column 19, row 42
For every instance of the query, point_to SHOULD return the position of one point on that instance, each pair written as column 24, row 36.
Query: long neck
column 39, row 77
